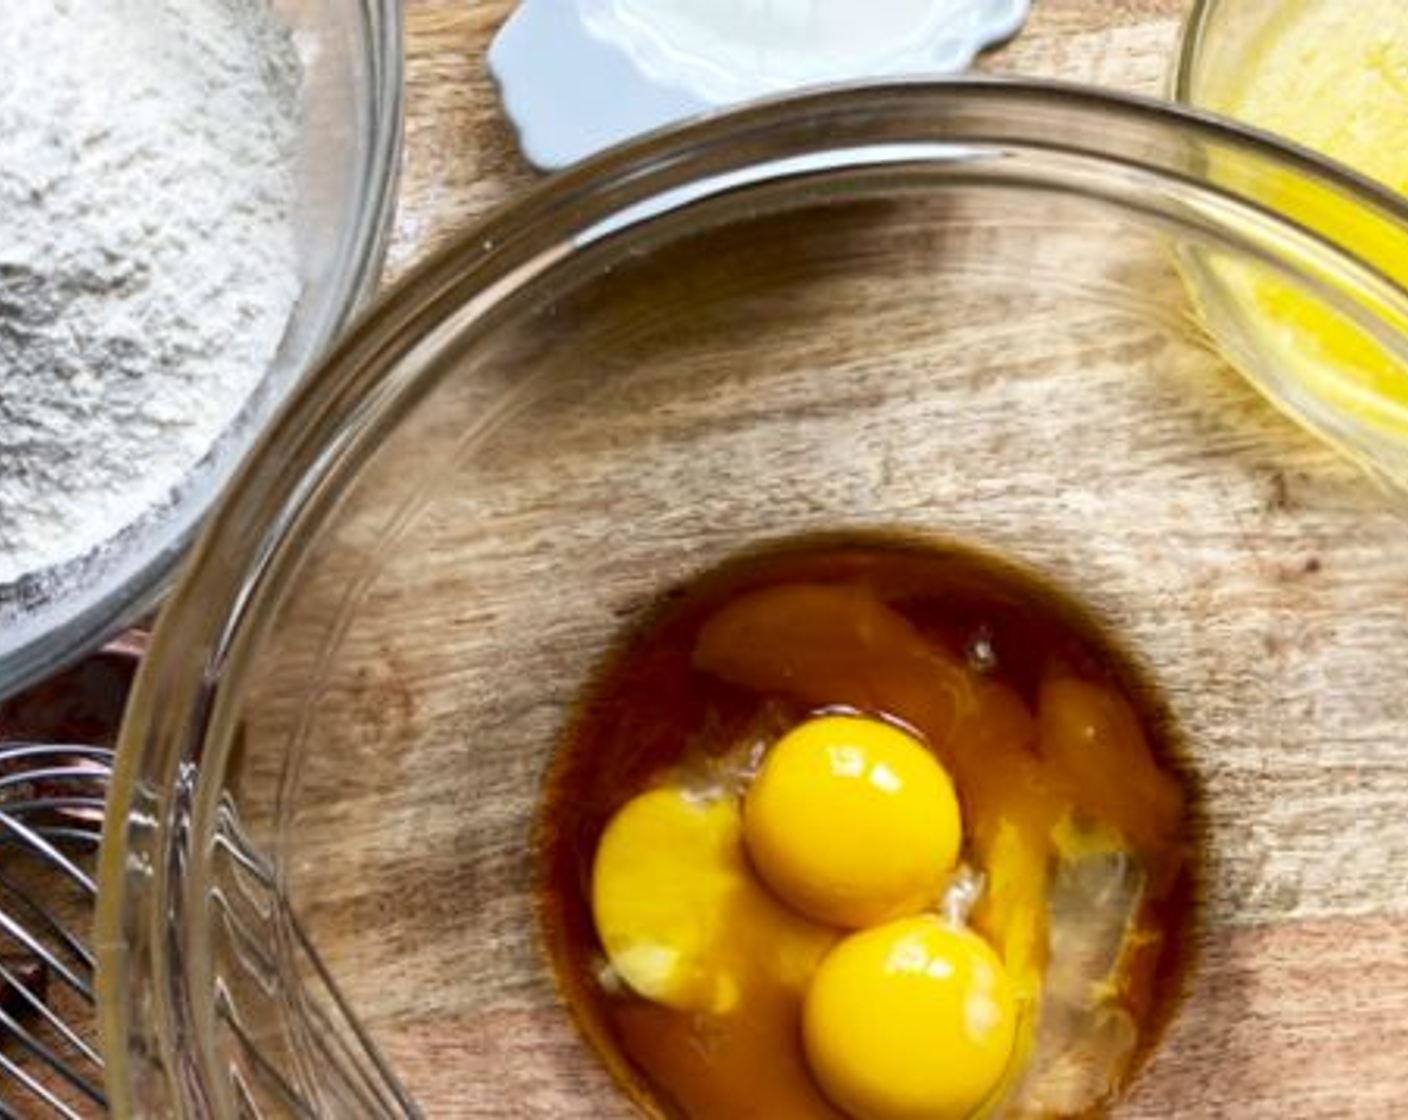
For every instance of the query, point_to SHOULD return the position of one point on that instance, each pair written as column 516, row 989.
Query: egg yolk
column 852, row 822
column 836, row 644
column 682, row 918
column 914, row 1020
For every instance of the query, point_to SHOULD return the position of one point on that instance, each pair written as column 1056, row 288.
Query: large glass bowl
column 346, row 174
column 955, row 309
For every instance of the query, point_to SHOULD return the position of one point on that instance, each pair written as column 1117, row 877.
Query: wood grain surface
column 461, row 160
column 1301, row 1003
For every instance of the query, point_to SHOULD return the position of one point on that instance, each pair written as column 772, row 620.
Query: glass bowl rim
column 1192, row 36
column 1188, row 56
column 363, row 381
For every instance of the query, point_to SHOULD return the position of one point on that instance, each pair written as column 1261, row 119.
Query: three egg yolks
column 706, row 905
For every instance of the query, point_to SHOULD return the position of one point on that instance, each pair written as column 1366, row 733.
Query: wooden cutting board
column 461, row 160
column 1332, row 991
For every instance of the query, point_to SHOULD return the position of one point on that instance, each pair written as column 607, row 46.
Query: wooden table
column 1346, row 1059
column 461, row 160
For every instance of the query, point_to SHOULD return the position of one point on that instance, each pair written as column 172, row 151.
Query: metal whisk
column 51, row 812
column 52, row 802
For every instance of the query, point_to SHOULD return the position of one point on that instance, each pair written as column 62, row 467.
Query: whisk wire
column 41, row 1010
column 43, row 919
column 13, row 1028
column 49, row 774
column 52, row 798
column 23, row 1078
column 42, row 847
column 37, row 949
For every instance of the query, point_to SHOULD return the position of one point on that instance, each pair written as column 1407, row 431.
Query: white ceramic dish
column 578, row 78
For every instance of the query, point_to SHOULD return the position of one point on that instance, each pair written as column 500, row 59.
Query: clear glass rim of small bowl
column 366, row 242
column 1191, row 39
column 176, row 733
column 1198, row 36
column 1188, row 60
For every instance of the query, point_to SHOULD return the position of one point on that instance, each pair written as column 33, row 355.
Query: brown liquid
column 651, row 703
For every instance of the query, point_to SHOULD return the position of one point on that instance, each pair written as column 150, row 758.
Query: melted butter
column 1332, row 76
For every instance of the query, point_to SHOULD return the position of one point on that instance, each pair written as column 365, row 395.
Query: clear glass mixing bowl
column 951, row 308
column 346, row 171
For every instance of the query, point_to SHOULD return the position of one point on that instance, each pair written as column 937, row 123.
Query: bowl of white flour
column 194, row 197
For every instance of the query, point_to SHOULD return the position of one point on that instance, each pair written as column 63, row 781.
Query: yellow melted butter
column 1332, row 76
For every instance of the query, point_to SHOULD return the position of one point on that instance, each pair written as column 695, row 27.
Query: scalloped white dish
column 579, row 77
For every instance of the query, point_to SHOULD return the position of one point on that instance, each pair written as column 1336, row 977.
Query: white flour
column 147, row 261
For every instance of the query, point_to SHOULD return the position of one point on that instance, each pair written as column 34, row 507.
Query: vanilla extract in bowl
column 822, row 760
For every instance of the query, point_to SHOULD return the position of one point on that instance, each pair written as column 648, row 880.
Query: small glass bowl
column 953, row 309
column 1214, row 34
column 350, row 130
column 1355, row 401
